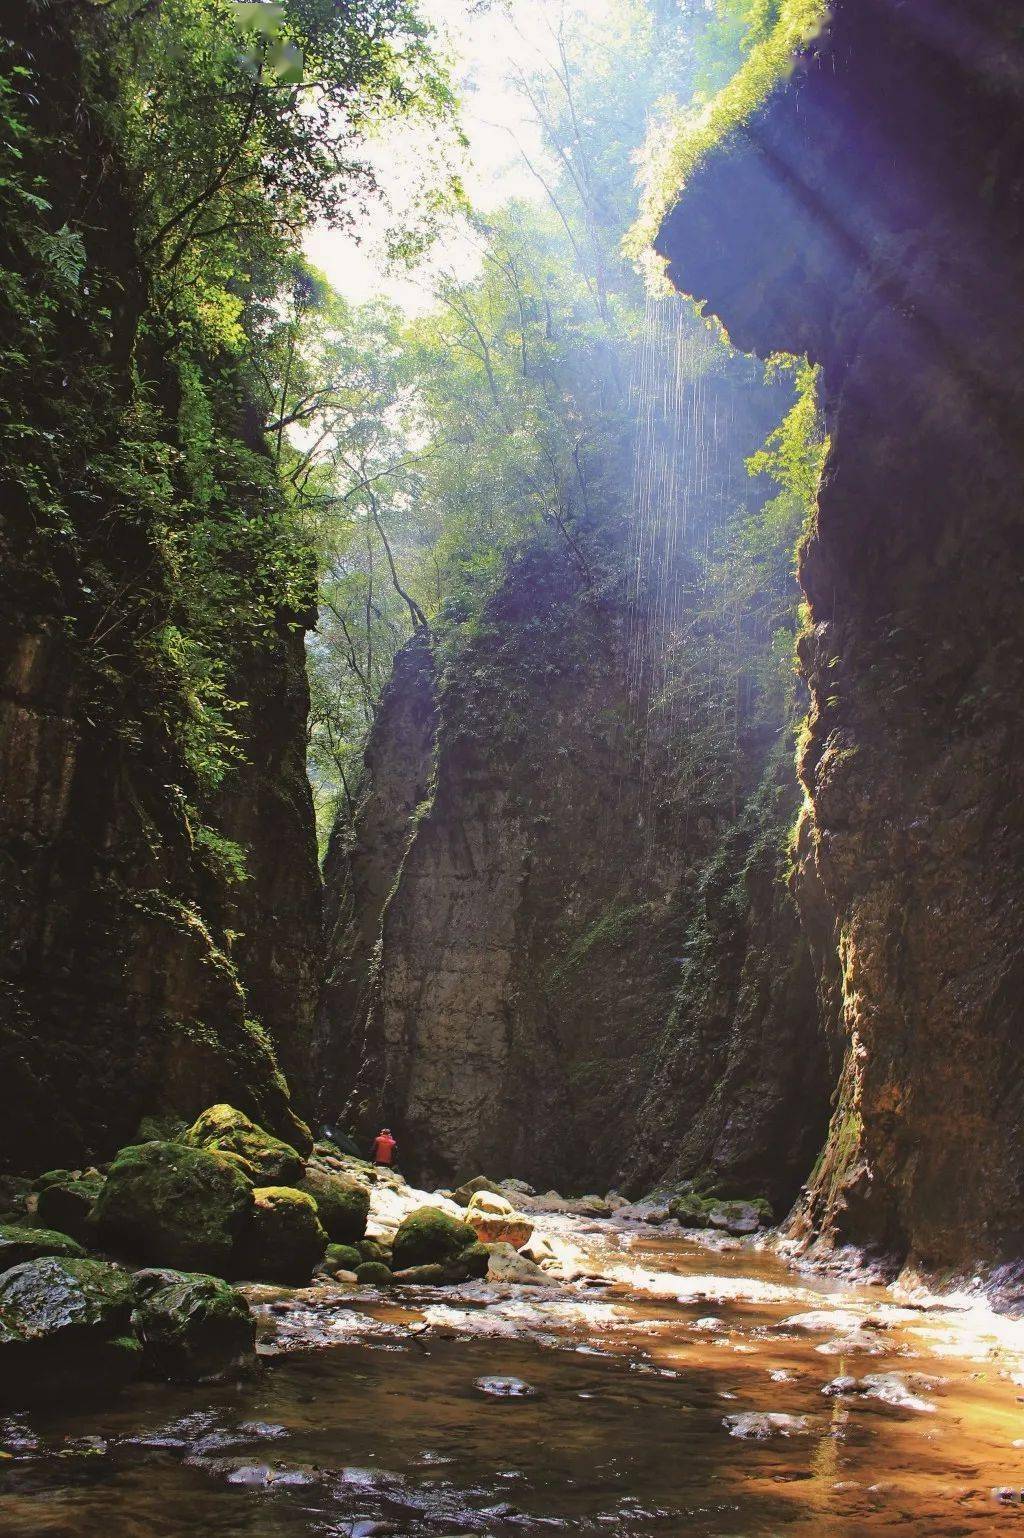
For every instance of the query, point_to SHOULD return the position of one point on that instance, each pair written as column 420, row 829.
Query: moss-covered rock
column 65, row 1327
column 434, row 1274
column 225, row 1130
column 342, row 1257
column 375, row 1249
column 428, row 1235
column 192, row 1328
column 374, row 1273
column 52, row 1177
column 691, row 1210
column 67, row 1206
column 174, row 1206
column 283, row 1239
column 18, row 1244
column 342, row 1202
column 476, row 1259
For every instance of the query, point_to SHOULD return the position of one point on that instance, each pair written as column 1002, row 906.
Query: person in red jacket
column 384, row 1147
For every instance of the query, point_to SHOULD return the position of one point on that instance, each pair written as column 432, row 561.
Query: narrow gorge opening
column 509, row 795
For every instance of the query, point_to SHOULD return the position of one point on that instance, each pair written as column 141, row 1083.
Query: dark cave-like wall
column 872, row 215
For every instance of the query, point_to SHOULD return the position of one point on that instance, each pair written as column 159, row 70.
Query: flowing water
column 694, row 1395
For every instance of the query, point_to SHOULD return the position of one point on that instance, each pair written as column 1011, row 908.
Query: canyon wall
column 160, row 897
column 536, row 967
column 871, row 214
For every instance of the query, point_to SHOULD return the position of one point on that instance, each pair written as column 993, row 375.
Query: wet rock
column 505, row 1264
column 174, row 1206
column 841, row 1386
column 192, row 1328
column 65, row 1327
column 517, row 1187
column 760, row 1425
column 737, row 1218
column 342, row 1202
column 897, row 1388
column 67, row 1206
column 283, row 1238
column 19, row 1244
column 429, row 1235
column 505, row 1388
column 374, row 1273
column 222, row 1129
column 823, row 1319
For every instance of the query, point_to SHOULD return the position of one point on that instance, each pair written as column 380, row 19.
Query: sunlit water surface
column 634, row 1409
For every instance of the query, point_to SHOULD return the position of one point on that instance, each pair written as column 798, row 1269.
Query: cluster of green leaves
column 160, row 160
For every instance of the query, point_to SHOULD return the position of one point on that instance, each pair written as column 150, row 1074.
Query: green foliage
column 681, row 137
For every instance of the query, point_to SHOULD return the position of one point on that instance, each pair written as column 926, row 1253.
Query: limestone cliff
column 521, row 963
column 158, row 909
column 871, row 214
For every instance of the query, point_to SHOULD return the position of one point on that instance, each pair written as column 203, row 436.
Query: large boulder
column 429, row 1235
column 18, row 1244
column 67, row 1205
column 225, row 1130
column 342, row 1202
column 170, row 1205
column 65, row 1328
column 283, row 1239
column 494, row 1220
column 505, row 1264
column 192, row 1328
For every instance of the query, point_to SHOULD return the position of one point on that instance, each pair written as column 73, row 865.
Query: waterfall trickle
column 688, row 473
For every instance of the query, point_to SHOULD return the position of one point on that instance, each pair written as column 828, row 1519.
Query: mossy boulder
column 691, row 1210
column 283, row 1239
column 174, row 1206
column 342, row 1203
column 65, row 1329
column 52, row 1177
column 374, row 1273
column 429, row 1235
column 192, row 1328
column 342, row 1257
column 222, row 1129
column 67, row 1206
column 18, row 1244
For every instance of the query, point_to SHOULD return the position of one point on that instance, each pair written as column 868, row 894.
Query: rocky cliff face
column 142, row 967
column 518, row 925
column 872, row 215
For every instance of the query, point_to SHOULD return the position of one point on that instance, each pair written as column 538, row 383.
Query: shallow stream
column 636, row 1408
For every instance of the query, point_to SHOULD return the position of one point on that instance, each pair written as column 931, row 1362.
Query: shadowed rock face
column 130, row 975
column 532, row 929
column 872, row 215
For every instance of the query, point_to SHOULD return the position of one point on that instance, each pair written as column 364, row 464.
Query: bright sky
column 485, row 48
